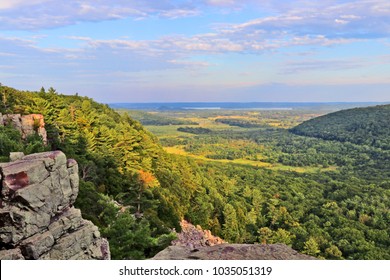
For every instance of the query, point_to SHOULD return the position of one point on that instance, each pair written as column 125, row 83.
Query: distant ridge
column 332, row 106
column 362, row 126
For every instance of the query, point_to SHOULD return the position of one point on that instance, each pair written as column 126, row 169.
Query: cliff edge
column 232, row 252
column 37, row 217
column 194, row 243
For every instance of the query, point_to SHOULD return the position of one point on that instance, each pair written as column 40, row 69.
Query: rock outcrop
column 195, row 237
column 27, row 124
column 232, row 252
column 195, row 243
column 37, row 217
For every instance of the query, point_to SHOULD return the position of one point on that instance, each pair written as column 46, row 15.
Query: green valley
column 248, row 176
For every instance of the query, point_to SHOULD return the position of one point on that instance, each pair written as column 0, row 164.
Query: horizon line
column 249, row 102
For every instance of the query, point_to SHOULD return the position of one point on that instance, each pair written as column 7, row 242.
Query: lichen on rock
column 37, row 217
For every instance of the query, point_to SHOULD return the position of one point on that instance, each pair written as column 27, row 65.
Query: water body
column 249, row 106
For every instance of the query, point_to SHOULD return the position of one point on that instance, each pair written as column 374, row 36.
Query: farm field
column 240, row 149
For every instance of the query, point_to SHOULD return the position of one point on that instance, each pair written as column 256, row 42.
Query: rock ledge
column 195, row 243
column 232, row 252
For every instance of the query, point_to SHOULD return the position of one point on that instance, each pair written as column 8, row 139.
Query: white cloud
column 212, row 43
column 190, row 64
column 352, row 17
column 118, row 44
column 275, row 21
column 294, row 67
column 334, row 18
column 179, row 13
column 41, row 14
column 12, row 4
column 222, row 2
column 179, row 47
column 341, row 21
column 6, row 54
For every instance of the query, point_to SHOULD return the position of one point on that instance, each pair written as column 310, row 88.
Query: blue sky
column 206, row 50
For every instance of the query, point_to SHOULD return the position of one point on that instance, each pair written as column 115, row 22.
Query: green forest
column 363, row 126
column 320, row 185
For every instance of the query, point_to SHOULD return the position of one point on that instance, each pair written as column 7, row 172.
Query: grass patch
column 178, row 150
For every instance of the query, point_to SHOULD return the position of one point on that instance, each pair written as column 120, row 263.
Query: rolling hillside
column 362, row 126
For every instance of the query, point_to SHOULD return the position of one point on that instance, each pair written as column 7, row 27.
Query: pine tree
column 230, row 229
column 311, row 247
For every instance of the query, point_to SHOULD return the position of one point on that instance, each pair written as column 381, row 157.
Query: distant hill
column 362, row 126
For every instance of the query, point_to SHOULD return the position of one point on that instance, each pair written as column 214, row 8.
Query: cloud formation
column 298, row 67
column 41, row 14
column 13, row 4
column 293, row 23
column 231, row 34
column 333, row 18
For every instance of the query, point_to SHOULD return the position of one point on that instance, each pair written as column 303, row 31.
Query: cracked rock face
column 232, row 252
column 37, row 217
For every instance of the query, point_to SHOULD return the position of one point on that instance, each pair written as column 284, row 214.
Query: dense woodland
column 363, row 126
column 137, row 193
column 242, row 122
column 152, row 119
column 194, row 130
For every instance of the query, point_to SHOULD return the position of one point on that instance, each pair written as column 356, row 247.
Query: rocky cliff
column 27, row 125
column 37, row 217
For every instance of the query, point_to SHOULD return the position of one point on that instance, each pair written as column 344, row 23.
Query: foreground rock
column 195, row 243
column 37, row 217
column 232, row 252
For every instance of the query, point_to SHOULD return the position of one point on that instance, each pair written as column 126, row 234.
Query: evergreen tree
column 230, row 226
column 311, row 247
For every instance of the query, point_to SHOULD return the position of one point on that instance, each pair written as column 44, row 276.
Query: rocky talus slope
column 37, row 217
column 194, row 243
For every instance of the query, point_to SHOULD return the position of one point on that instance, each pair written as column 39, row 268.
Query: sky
column 202, row 51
